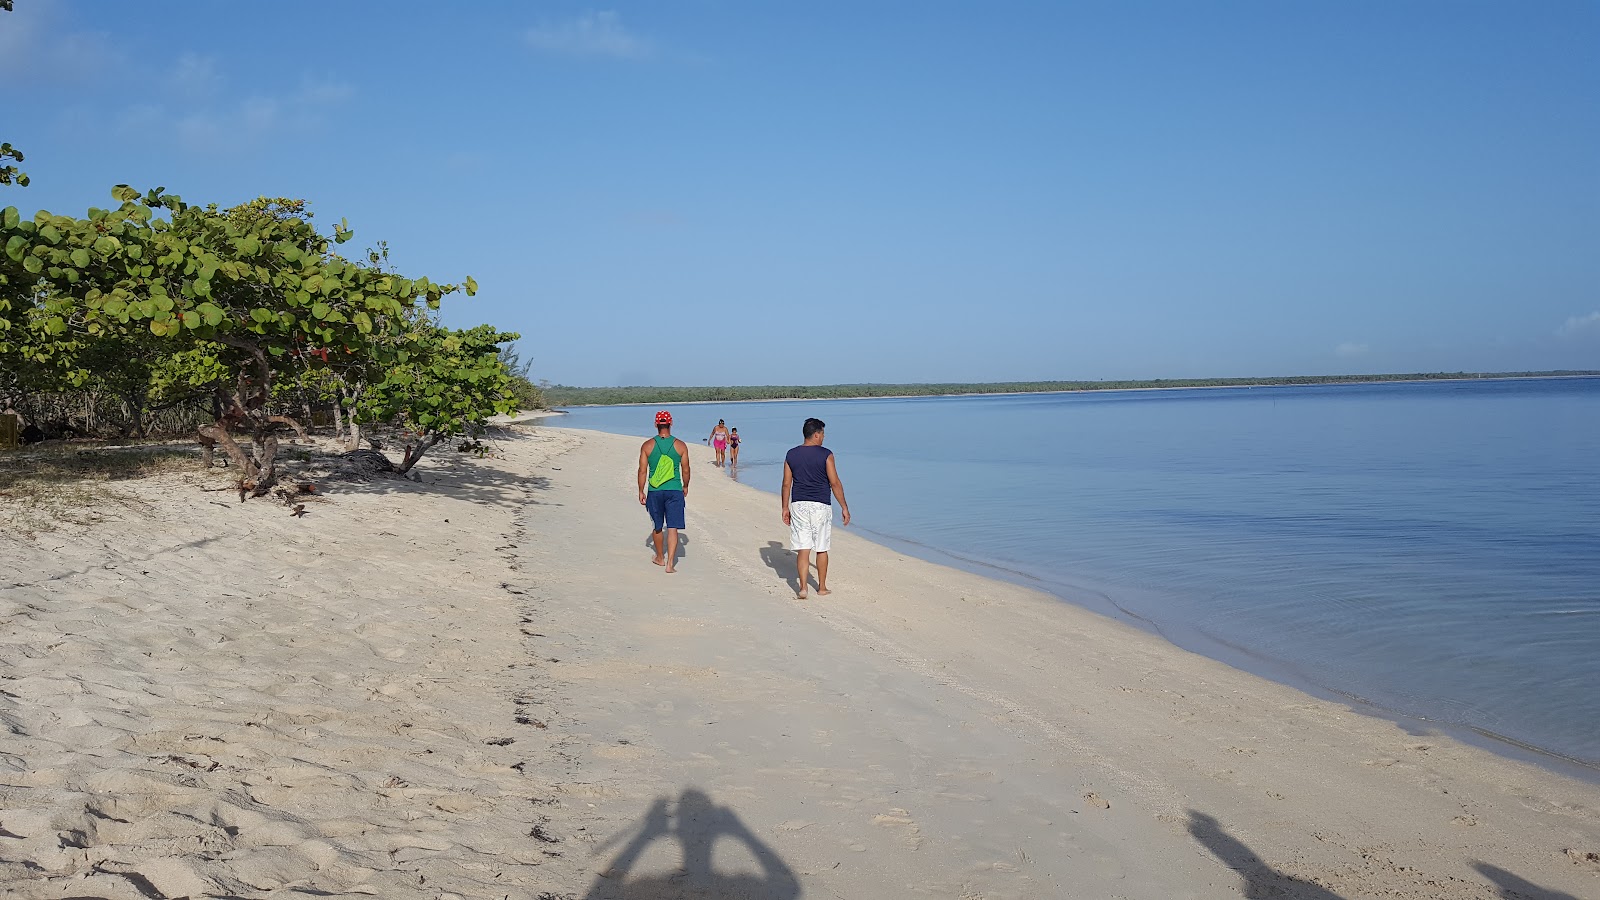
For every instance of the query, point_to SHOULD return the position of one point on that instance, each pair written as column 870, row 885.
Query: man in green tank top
column 663, row 487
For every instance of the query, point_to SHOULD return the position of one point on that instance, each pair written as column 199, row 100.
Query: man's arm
column 683, row 458
column 644, row 469
column 783, row 495
column 838, row 490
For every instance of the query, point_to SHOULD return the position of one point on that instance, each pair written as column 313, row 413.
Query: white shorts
column 810, row 525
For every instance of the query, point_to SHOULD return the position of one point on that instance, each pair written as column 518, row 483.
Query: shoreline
column 1129, row 390
column 1249, row 662
column 1169, row 731
column 1243, row 659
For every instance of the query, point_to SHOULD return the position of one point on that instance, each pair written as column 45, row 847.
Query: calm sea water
column 1430, row 549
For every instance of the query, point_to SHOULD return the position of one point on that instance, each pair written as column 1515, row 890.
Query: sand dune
column 479, row 687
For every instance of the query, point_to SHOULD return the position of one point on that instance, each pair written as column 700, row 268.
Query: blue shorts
column 665, row 507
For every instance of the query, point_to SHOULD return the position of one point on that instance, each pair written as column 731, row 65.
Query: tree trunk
column 338, row 417
column 285, row 420
column 414, row 452
column 215, row 435
column 266, row 446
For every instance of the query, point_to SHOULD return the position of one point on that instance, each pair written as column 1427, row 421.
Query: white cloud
column 592, row 34
column 195, row 77
column 1577, row 325
column 194, row 108
column 1350, row 348
column 35, row 48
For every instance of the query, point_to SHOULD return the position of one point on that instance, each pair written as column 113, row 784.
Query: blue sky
column 719, row 192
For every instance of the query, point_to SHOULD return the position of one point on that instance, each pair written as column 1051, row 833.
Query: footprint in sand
column 1097, row 800
column 1583, row 857
column 911, row 834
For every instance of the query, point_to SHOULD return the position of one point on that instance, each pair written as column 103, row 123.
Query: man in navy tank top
column 810, row 482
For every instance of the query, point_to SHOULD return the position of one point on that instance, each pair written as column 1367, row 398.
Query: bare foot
column 800, row 596
column 823, row 592
column 659, row 561
column 671, row 570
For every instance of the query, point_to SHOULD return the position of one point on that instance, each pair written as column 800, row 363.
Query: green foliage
column 444, row 383
column 10, row 174
column 252, row 305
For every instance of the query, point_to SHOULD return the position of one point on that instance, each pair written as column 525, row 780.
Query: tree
column 527, row 394
column 445, row 383
column 257, row 285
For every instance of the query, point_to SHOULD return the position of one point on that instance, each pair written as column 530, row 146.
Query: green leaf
column 472, row 286
column 114, row 307
column 191, row 319
column 9, row 217
column 211, row 312
column 33, row 264
column 158, row 327
column 124, row 193
column 80, row 258
column 320, row 310
column 262, row 315
column 363, row 322
column 16, row 246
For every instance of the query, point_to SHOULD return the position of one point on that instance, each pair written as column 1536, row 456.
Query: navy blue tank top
column 809, row 465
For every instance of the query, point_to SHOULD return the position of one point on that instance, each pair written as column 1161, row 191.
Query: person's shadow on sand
column 696, row 823
column 1261, row 881
column 683, row 544
column 783, row 562
column 1513, row 887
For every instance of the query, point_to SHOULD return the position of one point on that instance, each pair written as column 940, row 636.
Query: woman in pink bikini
column 719, row 441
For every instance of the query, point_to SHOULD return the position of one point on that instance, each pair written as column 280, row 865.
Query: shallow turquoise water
column 1432, row 549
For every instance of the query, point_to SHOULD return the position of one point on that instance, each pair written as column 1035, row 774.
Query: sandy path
column 925, row 732
column 209, row 699
column 480, row 688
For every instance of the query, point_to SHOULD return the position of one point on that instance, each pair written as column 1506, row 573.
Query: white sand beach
column 479, row 687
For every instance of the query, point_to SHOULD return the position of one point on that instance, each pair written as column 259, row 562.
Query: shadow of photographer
column 696, row 823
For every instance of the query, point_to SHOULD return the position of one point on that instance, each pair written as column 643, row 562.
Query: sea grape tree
column 257, row 287
column 441, row 384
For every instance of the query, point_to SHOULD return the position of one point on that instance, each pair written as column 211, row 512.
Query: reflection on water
column 1432, row 548
column 696, row 824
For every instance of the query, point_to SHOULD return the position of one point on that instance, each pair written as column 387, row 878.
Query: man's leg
column 822, row 574
column 656, row 536
column 672, row 550
column 803, row 558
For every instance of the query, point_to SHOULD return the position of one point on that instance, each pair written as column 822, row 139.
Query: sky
column 720, row 192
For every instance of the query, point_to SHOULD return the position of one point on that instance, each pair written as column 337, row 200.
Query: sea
column 1428, row 551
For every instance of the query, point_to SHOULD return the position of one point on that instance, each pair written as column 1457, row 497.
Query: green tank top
column 666, row 466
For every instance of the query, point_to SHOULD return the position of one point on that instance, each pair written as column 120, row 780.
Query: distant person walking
column 810, row 482
column 733, row 447
column 663, row 487
column 719, row 441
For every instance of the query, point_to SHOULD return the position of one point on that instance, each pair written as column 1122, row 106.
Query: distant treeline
column 563, row 395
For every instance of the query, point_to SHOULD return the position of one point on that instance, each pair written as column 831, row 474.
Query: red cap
column 663, row 418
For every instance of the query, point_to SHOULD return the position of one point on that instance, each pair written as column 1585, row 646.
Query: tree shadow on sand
column 1261, row 881
column 1513, row 887
column 695, row 823
column 783, row 562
